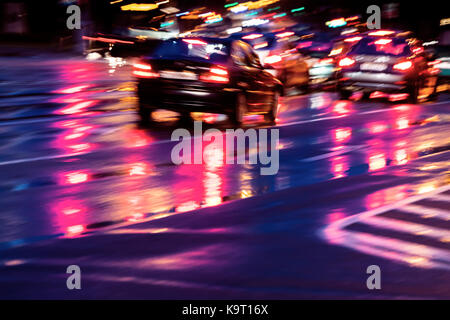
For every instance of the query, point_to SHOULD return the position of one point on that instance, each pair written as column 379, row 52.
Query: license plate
column 373, row 66
column 182, row 75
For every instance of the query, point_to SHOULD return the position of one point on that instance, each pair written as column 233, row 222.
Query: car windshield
column 193, row 48
column 265, row 42
column 382, row 46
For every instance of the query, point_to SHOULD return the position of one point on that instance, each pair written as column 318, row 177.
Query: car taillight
column 216, row 75
column 403, row 66
column 346, row 62
column 272, row 59
column 144, row 70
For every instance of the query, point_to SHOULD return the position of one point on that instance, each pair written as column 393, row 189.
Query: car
column 386, row 63
column 278, row 53
column 323, row 62
column 210, row 75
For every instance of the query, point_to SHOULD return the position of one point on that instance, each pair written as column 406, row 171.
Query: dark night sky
column 422, row 17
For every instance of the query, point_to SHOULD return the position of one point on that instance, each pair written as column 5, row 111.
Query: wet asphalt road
column 359, row 183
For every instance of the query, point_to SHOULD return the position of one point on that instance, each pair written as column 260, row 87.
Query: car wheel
column 345, row 94
column 271, row 115
column 304, row 88
column 145, row 115
column 185, row 118
column 240, row 109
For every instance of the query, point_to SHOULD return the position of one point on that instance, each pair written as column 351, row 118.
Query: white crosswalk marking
column 427, row 212
column 389, row 236
column 407, row 227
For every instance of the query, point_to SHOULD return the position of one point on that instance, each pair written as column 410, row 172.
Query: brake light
column 219, row 71
column 142, row 66
column 143, row 70
column 326, row 61
column 252, row 36
column 272, row 59
column 403, row 66
column 216, row 75
column 346, row 62
column 195, row 41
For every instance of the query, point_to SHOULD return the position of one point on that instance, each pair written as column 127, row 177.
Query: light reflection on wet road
column 73, row 160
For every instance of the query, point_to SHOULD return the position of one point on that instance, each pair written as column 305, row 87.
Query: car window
column 382, row 46
column 238, row 53
column 193, row 48
column 251, row 57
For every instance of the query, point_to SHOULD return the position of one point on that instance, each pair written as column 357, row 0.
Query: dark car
column 211, row 75
column 388, row 64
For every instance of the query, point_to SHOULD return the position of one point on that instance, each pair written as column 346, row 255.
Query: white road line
column 397, row 205
column 409, row 252
column 441, row 197
column 333, row 154
column 407, row 227
column 412, row 253
column 61, row 156
column 62, row 118
column 157, row 142
column 426, row 211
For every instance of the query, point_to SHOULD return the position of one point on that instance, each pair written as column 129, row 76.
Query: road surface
column 360, row 183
